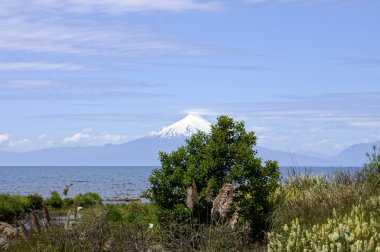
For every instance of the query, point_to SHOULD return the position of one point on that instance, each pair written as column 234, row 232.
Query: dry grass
column 8, row 229
column 35, row 221
column 181, row 237
column 47, row 215
column 222, row 203
column 234, row 219
column 192, row 198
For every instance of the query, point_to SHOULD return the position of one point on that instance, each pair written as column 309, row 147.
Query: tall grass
column 311, row 198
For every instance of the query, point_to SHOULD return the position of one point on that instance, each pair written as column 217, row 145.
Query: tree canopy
column 209, row 161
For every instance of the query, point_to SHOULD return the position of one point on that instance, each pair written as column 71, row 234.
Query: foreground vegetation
column 311, row 213
column 197, row 206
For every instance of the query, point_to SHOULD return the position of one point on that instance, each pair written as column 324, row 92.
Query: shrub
column 67, row 202
column 88, row 199
column 36, row 201
column 132, row 213
column 114, row 213
column 55, row 200
column 372, row 167
column 12, row 206
column 207, row 162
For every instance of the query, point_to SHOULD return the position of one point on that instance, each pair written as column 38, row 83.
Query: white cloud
column 316, row 129
column 27, row 144
column 39, row 66
column 267, row 138
column 87, row 138
column 4, row 138
column 48, row 26
column 261, row 129
column 78, row 137
column 21, row 145
column 256, row 1
column 357, row 122
column 84, row 37
column 42, row 137
column 23, row 84
column 323, row 141
column 309, row 2
column 283, row 1
column 201, row 111
column 114, row 6
column 370, row 123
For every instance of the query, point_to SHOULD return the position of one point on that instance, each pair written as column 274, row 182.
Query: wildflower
column 339, row 247
column 248, row 196
column 371, row 244
column 150, row 225
column 333, row 237
column 286, row 228
column 357, row 231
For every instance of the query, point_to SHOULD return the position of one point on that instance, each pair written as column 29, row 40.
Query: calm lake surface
column 109, row 182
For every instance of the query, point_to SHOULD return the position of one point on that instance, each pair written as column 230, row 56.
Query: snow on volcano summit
column 186, row 127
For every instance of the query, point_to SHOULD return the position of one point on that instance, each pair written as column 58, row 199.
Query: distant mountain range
column 144, row 151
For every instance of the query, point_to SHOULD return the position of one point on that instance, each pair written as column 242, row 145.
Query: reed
column 8, row 229
column 232, row 222
column 35, row 221
column 192, row 198
column 4, row 244
column 67, row 224
column 24, row 232
column 223, row 201
column 47, row 215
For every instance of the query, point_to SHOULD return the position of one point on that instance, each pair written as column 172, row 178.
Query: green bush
column 36, row 201
column 131, row 213
column 372, row 167
column 12, row 206
column 114, row 213
column 55, row 200
column 205, row 164
column 88, row 199
column 67, row 202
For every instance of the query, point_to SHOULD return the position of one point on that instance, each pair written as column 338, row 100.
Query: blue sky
column 304, row 75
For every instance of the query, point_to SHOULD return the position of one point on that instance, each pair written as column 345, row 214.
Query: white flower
column 151, row 225
column 333, row 237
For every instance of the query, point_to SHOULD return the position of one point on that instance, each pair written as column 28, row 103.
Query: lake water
column 109, row 182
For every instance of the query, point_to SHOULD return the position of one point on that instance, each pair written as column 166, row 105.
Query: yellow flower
column 248, row 196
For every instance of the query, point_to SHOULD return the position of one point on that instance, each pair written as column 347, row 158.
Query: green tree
column 225, row 155
column 372, row 167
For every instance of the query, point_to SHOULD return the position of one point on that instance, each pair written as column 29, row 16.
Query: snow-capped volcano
column 186, row 127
